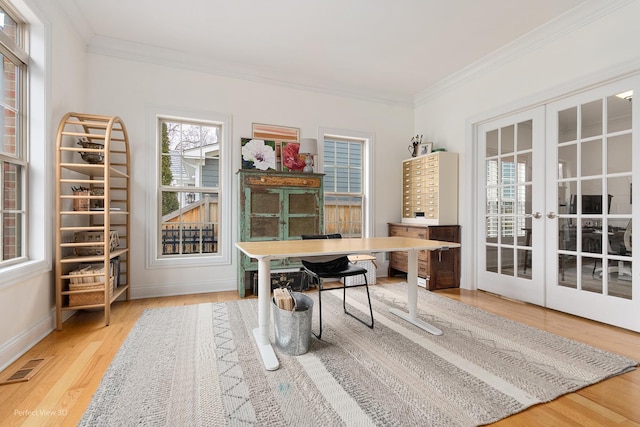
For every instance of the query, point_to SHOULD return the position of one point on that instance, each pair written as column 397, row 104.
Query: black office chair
column 623, row 246
column 320, row 268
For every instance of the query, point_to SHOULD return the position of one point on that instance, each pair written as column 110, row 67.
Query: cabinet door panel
column 265, row 202
column 398, row 261
column 302, row 225
column 265, row 228
column 304, row 203
column 447, row 234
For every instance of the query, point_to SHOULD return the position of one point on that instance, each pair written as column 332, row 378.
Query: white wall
column 600, row 49
column 130, row 89
column 26, row 302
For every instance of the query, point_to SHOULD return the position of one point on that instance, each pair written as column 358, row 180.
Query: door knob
column 551, row 215
column 536, row 215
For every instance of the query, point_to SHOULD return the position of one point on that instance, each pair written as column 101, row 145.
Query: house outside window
column 511, row 202
column 189, row 207
column 13, row 138
column 343, row 166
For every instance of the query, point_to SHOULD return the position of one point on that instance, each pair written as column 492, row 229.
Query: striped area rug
column 198, row 366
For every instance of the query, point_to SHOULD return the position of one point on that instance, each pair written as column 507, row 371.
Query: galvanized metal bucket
column 293, row 328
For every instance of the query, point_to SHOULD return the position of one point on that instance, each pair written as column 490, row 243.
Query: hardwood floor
column 81, row 353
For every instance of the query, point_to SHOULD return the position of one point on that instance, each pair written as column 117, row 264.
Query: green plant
column 169, row 199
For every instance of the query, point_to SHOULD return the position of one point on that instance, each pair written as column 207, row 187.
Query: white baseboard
column 20, row 344
column 167, row 290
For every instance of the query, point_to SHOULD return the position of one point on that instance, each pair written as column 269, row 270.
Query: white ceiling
column 382, row 49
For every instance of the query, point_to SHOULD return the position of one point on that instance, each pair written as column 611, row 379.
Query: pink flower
column 291, row 158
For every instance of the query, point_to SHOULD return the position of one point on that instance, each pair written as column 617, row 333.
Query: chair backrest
column 324, row 263
column 321, row 236
column 627, row 237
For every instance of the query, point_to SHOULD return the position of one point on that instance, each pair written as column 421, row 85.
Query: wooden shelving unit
column 83, row 219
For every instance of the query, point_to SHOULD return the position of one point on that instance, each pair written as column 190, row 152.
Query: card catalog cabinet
column 430, row 189
column 276, row 206
column 441, row 269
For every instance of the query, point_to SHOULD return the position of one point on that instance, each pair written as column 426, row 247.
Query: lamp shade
column 308, row 146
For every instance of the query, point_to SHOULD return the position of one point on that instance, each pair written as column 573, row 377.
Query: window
column 189, row 187
column 13, row 142
column 343, row 166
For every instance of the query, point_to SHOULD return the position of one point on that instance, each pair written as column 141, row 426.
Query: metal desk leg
column 412, row 297
column 261, row 333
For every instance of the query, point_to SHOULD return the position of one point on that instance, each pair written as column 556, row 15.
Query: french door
column 555, row 189
column 593, row 140
column 510, row 192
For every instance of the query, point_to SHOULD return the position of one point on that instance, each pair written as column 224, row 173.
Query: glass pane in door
column 509, row 199
column 591, row 119
column 618, row 149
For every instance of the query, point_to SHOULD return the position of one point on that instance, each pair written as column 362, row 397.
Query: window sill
column 18, row 273
column 189, row 261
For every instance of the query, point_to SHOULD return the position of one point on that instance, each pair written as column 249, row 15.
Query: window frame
column 16, row 53
column 36, row 126
column 368, row 141
column 155, row 258
column 184, row 191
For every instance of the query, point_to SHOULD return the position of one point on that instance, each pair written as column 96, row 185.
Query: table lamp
column 309, row 147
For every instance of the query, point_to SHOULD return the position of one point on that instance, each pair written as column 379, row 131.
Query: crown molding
column 77, row 20
column 580, row 16
column 157, row 55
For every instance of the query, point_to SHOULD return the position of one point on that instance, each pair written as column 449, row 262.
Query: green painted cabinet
column 276, row 206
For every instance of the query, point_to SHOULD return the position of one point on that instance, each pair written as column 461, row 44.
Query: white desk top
column 298, row 248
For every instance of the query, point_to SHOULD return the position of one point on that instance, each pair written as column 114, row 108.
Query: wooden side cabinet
column 276, row 206
column 441, row 269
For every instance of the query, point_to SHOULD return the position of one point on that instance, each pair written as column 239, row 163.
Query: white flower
column 263, row 156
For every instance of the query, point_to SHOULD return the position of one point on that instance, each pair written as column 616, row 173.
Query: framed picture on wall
column 425, row 148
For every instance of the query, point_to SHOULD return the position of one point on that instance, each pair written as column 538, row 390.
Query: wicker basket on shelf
column 90, row 278
column 96, row 237
column 81, row 204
